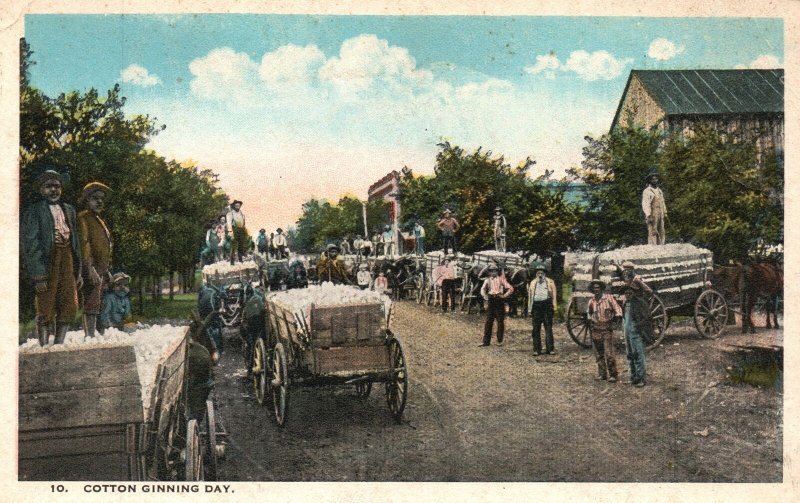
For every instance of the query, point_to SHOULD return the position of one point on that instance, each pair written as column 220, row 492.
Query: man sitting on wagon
column 330, row 266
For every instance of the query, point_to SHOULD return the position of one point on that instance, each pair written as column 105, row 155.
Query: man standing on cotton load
column 52, row 257
column 499, row 230
column 236, row 226
column 654, row 208
column 279, row 242
column 95, row 239
column 448, row 225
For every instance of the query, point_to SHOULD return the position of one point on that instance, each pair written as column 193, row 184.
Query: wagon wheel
column 194, row 455
column 466, row 300
column 262, row 374
column 280, row 384
column 397, row 385
column 659, row 320
column 421, row 290
column 578, row 325
column 363, row 389
column 210, row 461
column 171, row 435
column 710, row 314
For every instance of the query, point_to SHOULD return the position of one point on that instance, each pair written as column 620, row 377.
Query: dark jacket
column 95, row 241
column 38, row 236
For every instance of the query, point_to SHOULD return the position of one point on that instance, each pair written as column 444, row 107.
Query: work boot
column 43, row 333
column 61, row 332
column 89, row 324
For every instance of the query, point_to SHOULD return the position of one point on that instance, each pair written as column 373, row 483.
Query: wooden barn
column 749, row 102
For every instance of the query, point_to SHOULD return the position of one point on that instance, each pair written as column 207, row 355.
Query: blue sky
column 289, row 107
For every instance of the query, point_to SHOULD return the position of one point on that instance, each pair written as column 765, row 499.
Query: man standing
column 499, row 230
column 279, row 242
column 636, row 322
column 262, row 243
column 345, row 245
column 495, row 290
column 603, row 309
column 52, row 257
column 655, row 209
column 542, row 305
column 388, row 241
column 445, row 277
column 95, row 240
column 238, row 231
column 419, row 238
column 448, row 225
column 377, row 243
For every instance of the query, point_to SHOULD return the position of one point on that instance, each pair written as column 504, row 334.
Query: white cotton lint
column 327, row 294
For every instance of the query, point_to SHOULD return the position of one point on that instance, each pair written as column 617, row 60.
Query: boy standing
column 603, row 310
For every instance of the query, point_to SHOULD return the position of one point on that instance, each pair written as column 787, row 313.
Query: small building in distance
column 388, row 189
column 749, row 102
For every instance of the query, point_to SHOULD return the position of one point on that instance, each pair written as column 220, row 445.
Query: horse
column 518, row 278
column 761, row 279
column 297, row 277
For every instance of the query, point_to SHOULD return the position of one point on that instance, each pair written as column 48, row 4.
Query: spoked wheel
column 578, row 325
column 397, row 385
column 659, row 321
column 466, row 299
column 262, row 372
column 280, row 384
column 210, row 460
column 419, row 283
column 363, row 389
column 194, row 455
column 710, row 314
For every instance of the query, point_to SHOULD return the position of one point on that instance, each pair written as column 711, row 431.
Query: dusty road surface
column 501, row 414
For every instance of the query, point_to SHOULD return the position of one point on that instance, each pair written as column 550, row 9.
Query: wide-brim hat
column 597, row 282
column 492, row 267
column 51, row 174
column 120, row 276
column 446, row 211
column 628, row 265
column 650, row 174
column 539, row 266
column 236, row 201
column 333, row 247
column 387, row 226
column 278, row 230
column 262, row 231
column 92, row 187
column 497, row 208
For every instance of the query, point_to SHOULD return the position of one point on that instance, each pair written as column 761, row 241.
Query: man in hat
column 542, row 304
column 363, row 277
column 279, row 242
column 636, row 321
column 444, row 277
column 52, row 257
column 388, row 241
column 116, row 304
column 96, row 245
column 603, row 309
column 262, row 243
column 419, row 238
column 330, row 267
column 499, row 230
column 655, row 209
column 236, row 226
column 495, row 290
column 377, row 243
column 448, row 225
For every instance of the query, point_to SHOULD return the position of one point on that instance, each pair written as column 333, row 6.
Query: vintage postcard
column 498, row 250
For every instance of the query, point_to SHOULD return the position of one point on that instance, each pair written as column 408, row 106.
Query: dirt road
column 501, row 414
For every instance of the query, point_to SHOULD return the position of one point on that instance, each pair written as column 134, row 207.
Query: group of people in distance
column 227, row 239
column 603, row 312
column 67, row 256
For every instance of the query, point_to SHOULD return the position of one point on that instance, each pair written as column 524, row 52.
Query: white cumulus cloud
column 291, row 65
column 139, row 75
column 765, row 62
column 223, row 73
column 546, row 63
column 596, row 65
column 663, row 49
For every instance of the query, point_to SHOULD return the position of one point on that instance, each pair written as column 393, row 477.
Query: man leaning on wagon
column 96, row 246
column 52, row 257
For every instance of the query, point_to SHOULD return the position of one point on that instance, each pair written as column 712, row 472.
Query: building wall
column 766, row 130
column 646, row 111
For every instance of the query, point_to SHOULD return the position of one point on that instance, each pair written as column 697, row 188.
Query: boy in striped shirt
column 603, row 310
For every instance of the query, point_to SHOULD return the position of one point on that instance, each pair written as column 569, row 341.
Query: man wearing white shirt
column 279, row 242
column 655, row 209
column 236, row 226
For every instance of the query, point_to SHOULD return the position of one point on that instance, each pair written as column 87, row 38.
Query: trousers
column 61, row 297
column 542, row 314
column 449, row 290
column 496, row 310
column 605, row 352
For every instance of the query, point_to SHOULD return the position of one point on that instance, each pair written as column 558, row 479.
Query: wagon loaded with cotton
column 328, row 334
column 114, row 407
column 679, row 274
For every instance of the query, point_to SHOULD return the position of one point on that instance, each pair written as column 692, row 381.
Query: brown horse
column 761, row 279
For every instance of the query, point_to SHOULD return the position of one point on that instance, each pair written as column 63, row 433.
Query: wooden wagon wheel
column 210, row 461
column 421, row 290
column 363, row 389
column 193, row 467
column 659, row 319
column 578, row 325
column 710, row 314
column 466, row 295
column 280, row 384
column 262, row 372
column 397, row 385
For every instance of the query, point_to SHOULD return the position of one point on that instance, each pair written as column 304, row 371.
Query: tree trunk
column 172, row 285
column 141, row 295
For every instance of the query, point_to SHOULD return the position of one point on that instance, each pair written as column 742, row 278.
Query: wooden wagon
column 480, row 261
column 337, row 344
column 428, row 292
column 679, row 274
column 82, row 417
